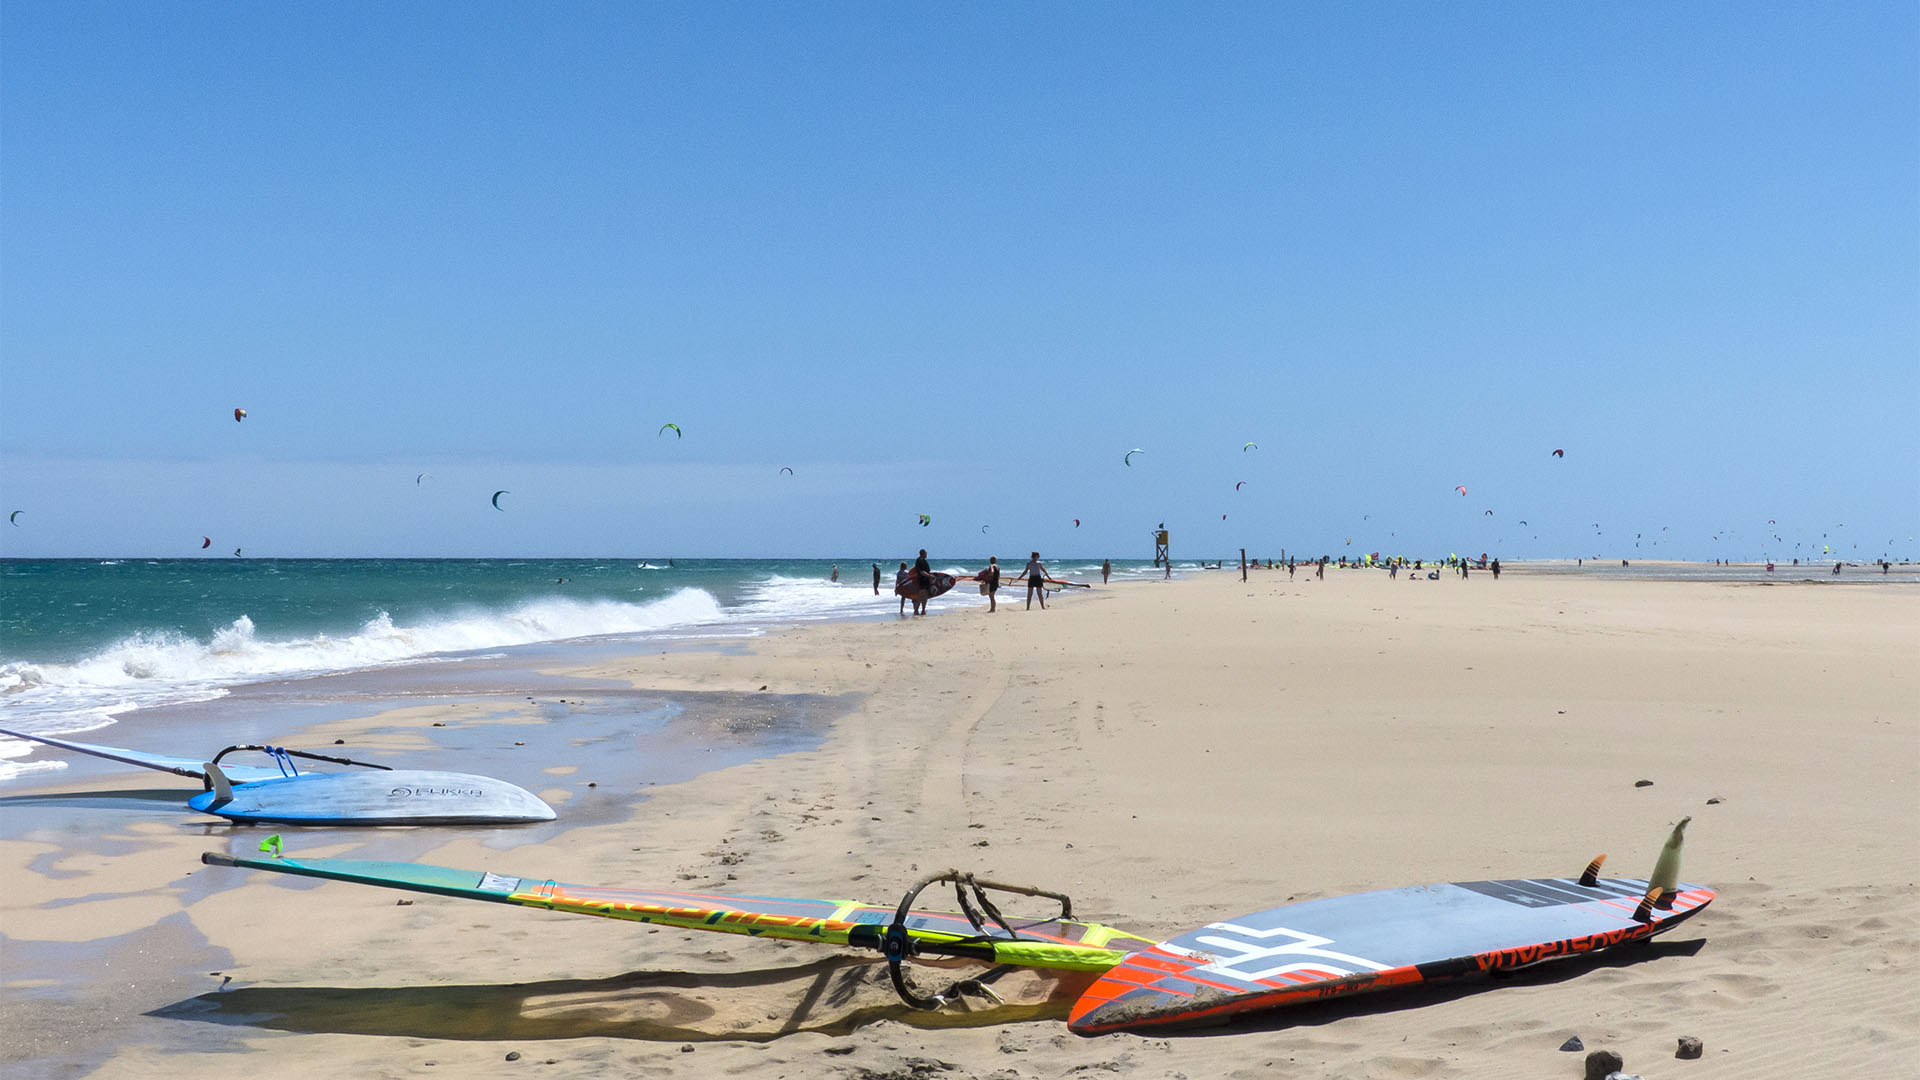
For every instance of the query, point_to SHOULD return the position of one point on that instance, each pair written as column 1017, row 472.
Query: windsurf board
column 907, row 588
column 387, row 797
column 1342, row 945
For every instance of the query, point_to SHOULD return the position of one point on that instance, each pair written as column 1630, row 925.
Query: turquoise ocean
column 86, row 643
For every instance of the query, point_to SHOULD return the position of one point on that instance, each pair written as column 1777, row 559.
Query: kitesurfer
column 1036, row 582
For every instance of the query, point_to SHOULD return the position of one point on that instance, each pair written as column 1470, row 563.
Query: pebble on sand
column 1573, row 1044
column 1690, row 1048
column 1602, row 1063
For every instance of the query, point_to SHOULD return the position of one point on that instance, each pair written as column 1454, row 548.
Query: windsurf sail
column 197, row 768
column 979, row 931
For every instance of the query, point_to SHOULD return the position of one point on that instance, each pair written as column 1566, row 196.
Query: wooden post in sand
column 1243, row 564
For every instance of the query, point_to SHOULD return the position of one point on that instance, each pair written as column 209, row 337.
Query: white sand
column 1167, row 753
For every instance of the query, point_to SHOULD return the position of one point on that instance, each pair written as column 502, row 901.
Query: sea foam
column 153, row 668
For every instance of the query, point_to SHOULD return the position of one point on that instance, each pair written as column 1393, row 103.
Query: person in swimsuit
column 990, row 583
column 1036, row 582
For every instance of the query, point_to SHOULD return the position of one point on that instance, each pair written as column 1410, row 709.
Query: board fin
column 1666, row 869
column 1644, row 913
column 1591, row 875
column 222, row 787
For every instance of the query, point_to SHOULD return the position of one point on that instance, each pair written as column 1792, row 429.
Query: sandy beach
column 1167, row 753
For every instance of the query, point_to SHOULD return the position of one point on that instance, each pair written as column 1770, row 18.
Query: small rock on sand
column 1573, row 1044
column 1690, row 1048
column 1603, row 1063
column 1643, row 783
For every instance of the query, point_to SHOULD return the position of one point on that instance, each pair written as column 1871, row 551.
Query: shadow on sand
column 835, row 995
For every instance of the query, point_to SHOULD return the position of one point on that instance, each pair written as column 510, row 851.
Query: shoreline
column 1168, row 754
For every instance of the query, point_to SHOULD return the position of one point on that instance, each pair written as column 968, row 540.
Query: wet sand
column 1169, row 754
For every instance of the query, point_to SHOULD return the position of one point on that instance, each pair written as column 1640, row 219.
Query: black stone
column 1690, row 1048
column 1602, row 1062
column 1573, row 1045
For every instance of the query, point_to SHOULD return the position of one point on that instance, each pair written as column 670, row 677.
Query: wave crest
column 166, row 667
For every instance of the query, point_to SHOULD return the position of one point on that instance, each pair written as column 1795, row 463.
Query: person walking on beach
column 1496, row 569
column 876, row 579
column 990, row 583
column 1036, row 582
column 922, row 574
column 1106, row 570
column 899, row 581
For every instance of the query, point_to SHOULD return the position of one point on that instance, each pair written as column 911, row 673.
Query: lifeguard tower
column 1160, row 556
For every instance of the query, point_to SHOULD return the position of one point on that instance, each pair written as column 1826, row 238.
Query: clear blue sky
column 958, row 259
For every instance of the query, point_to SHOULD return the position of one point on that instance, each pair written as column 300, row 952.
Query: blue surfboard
column 388, row 797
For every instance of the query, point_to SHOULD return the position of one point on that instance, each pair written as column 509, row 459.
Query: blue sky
column 958, row 261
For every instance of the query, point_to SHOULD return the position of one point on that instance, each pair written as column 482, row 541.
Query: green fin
column 1666, row 869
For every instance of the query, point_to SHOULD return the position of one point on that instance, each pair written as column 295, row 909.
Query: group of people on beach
column 916, row 583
